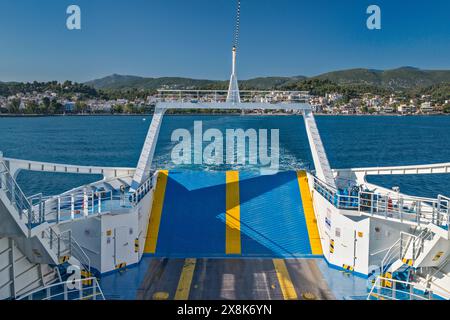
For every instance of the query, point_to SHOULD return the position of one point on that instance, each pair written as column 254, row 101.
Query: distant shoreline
column 212, row 114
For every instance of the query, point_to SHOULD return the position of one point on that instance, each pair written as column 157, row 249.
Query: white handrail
column 414, row 210
column 390, row 255
column 14, row 191
column 394, row 290
column 87, row 263
column 94, row 291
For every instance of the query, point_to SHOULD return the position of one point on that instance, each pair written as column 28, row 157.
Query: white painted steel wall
column 97, row 236
column 350, row 234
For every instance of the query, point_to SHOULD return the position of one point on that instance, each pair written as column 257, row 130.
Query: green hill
column 395, row 79
column 119, row 82
column 401, row 78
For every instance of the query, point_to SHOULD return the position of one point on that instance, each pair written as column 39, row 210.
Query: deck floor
column 232, row 279
column 238, row 236
column 194, row 217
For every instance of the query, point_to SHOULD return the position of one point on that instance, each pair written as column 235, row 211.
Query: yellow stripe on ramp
column 310, row 217
column 233, row 214
column 155, row 215
column 184, row 284
column 287, row 288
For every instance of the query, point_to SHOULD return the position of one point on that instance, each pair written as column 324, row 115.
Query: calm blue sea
column 117, row 141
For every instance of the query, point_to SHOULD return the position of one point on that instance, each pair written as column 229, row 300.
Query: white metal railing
column 392, row 289
column 416, row 210
column 60, row 244
column 406, row 209
column 142, row 191
column 411, row 246
column 217, row 96
column 17, row 198
column 392, row 255
column 348, row 201
column 444, row 205
column 77, row 205
column 78, row 252
column 81, row 289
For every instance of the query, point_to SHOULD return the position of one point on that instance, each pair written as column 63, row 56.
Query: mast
column 233, row 89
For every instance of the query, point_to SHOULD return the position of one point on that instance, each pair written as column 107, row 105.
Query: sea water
column 350, row 141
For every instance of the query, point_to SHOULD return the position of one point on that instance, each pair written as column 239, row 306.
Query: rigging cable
column 238, row 25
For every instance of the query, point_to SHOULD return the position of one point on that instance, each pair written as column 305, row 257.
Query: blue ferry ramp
column 231, row 215
column 272, row 218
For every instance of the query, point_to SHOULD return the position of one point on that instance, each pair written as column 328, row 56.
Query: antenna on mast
column 233, row 89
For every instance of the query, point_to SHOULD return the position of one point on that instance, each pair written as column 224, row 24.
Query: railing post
column 401, row 246
column 93, row 203
column 419, row 210
column 70, row 242
column 30, row 216
column 394, row 289
column 13, row 187
column 359, row 201
column 386, row 206
column 371, row 203
column 59, row 244
column 85, row 204
column 72, row 206
column 39, row 209
column 65, row 292
column 94, row 289
column 99, row 202
column 400, row 206
column 438, row 214
column 58, row 210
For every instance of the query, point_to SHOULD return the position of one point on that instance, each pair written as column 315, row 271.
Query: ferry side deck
column 231, row 235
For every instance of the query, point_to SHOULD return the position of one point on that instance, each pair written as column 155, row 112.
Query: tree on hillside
column 56, row 107
column 45, row 105
column 446, row 108
column 31, row 107
column 117, row 108
column 14, row 106
column 81, row 107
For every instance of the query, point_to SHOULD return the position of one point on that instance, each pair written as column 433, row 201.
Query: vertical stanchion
column 99, row 202
column 94, row 290
column 419, row 209
column 58, row 211
column 394, row 288
column 72, row 206
column 85, row 204
column 59, row 244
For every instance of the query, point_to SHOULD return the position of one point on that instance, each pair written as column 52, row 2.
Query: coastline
column 235, row 114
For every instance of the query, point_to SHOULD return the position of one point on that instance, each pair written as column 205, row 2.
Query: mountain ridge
column 396, row 79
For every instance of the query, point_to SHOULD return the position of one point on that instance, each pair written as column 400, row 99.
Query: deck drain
column 160, row 296
column 309, row 296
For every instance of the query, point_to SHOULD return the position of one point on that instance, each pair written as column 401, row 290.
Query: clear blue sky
column 192, row 38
